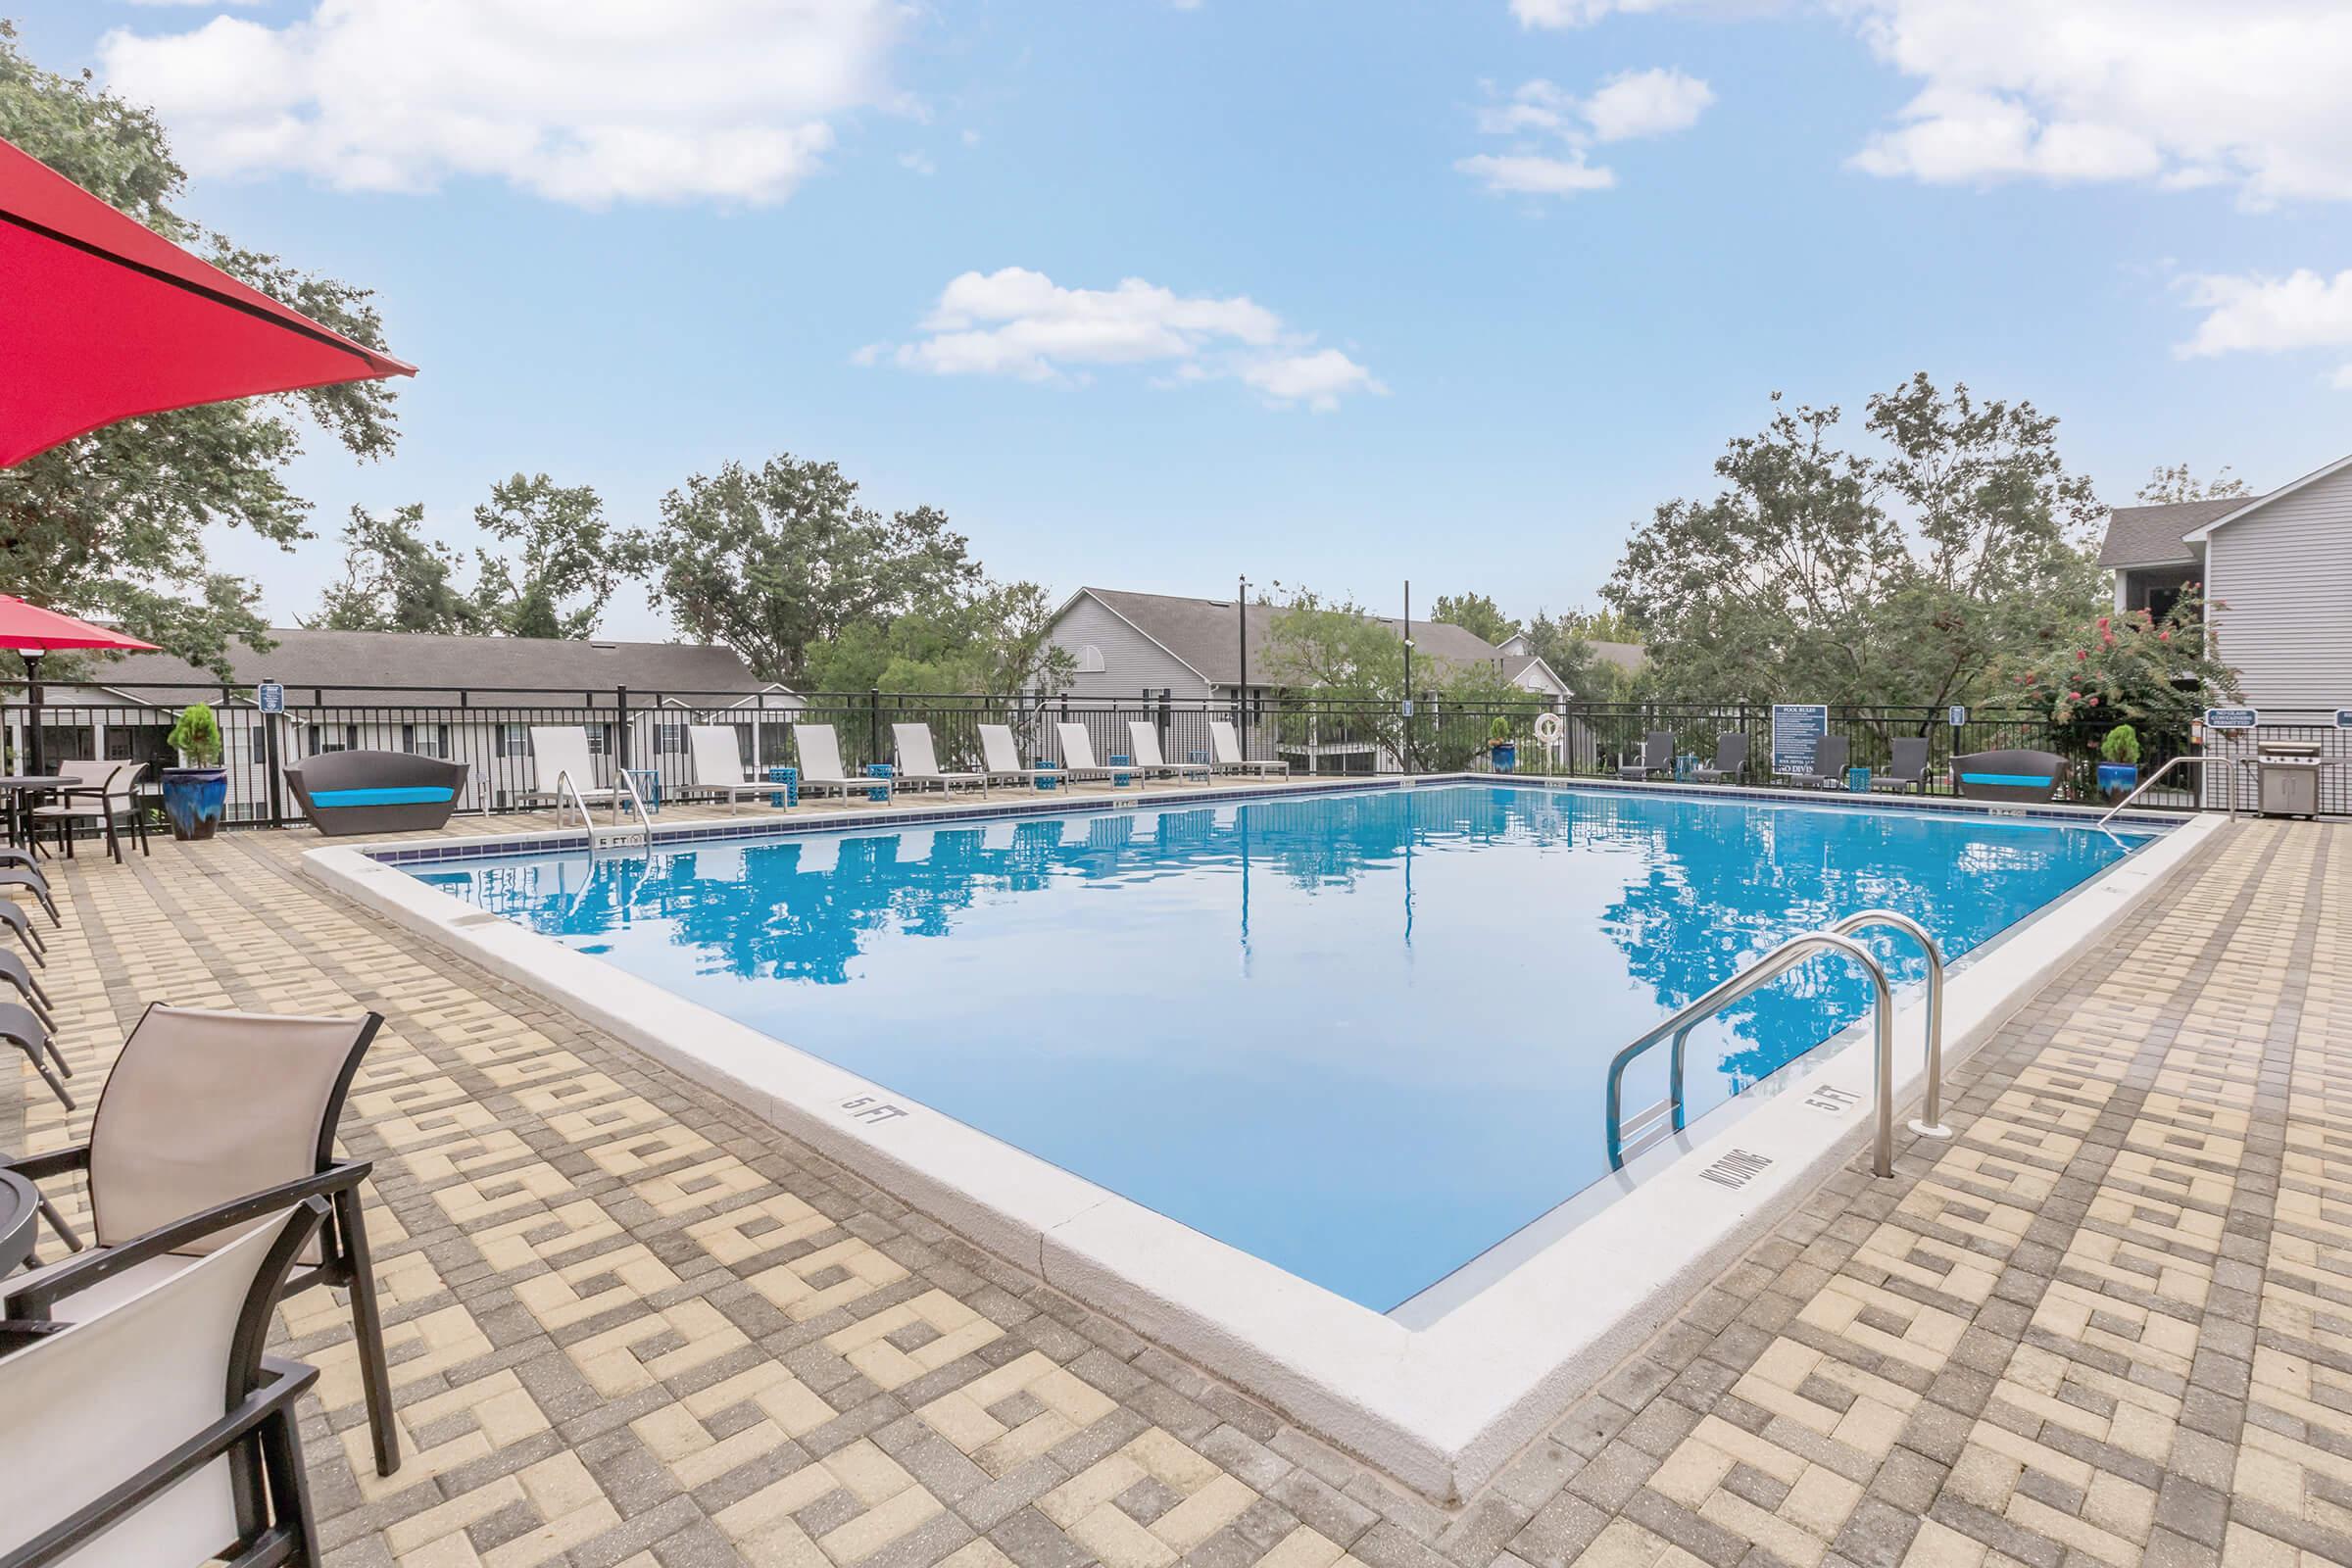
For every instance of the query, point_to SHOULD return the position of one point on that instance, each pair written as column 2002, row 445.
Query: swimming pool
column 1362, row 1036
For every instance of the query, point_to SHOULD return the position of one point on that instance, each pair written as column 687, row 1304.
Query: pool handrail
column 1930, row 1114
column 1788, row 956
column 2149, row 783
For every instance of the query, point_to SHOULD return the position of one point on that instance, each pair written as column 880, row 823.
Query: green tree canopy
column 1898, row 575
column 992, row 639
column 776, row 560
column 1474, row 614
column 112, row 523
column 2176, row 483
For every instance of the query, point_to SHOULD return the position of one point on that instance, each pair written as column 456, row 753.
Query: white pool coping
column 1442, row 1407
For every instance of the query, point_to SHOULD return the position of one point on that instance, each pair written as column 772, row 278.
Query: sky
column 1150, row 295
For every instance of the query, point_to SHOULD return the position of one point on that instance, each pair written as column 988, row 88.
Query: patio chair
column 1078, row 755
column 919, row 765
column 558, row 751
column 18, row 973
column 102, row 793
column 145, row 1423
column 1001, row 758
column 13, row 915
column 820, row 764
column 205, row 1108
column 1830, row 757
column 1910, row 769
column 1225, row 753
column 718, row 756
column 1657, row 757
column 1143, row 738
column 30, row 1033
column 1730, row 759
column 31, row 879
column 2027, row 778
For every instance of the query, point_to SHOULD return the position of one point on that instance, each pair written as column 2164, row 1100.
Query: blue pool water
column 1363, row 1035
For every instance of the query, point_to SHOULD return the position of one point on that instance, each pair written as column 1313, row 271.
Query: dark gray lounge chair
column 2027, row 778
column 1828, row 764
column 1910, row 769
column 29, row 1032
column 375, row 792
column 1730, row 759
column 14, row 970
column 1657, row 757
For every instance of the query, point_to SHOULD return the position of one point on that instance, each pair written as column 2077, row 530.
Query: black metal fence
column 489, row 729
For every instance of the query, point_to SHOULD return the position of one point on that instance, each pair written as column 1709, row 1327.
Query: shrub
column 2121, row 745
column 197, row 735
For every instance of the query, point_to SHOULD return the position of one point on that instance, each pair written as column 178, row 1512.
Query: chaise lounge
column 375, row 792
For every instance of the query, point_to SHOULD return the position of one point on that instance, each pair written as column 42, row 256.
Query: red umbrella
column 33, row 631
column 106, row 319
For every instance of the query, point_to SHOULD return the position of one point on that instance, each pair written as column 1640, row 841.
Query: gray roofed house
column 1130, row 643
column 2275, row 572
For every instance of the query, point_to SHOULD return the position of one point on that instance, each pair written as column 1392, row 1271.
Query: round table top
column 33, row 781
column 19, row 1209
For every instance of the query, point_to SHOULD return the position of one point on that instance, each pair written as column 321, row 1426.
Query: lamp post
column 1241, row 693
column 32, row 704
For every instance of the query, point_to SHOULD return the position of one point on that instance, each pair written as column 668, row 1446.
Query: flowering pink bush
column 2132, row 666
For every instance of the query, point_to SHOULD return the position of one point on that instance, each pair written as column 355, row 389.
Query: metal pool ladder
column 616, row 836
column 1652, row 1124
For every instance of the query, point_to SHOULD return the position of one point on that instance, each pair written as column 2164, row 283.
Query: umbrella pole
column 32, row 701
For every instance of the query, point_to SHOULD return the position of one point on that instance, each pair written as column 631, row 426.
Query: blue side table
column 1119, row 760
column 1047, row 775
column 790, row 778
column 1684, row 764
column 877, row 770
column 649, row 786
column 1857, row 779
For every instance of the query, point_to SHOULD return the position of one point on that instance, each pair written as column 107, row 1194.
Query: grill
column 2288, row 773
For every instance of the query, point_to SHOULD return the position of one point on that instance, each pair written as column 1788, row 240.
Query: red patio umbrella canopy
column 29, row 627
column 106, row 319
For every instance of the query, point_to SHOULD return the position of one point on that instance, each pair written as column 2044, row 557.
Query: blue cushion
column 408, row 795
column 2021, row 781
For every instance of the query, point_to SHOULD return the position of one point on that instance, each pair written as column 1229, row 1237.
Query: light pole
column 1241, row 693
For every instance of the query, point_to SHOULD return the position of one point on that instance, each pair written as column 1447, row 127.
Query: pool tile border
column 1442, row 1407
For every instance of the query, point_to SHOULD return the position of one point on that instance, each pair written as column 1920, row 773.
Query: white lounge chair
column 1225, row 753
column 919, row 765
column 558, row 751
column 1001, row 758
column 1144, row 739
column 1078, row 755
column 144, row 1423
column 718, row 763
column 820, row 763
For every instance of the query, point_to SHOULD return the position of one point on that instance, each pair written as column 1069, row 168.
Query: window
column 118, row 743
column 669, row 738
column 259, row 737
column 424, row 739
column 1091, row 661
column 326, row 738
column 599, row 740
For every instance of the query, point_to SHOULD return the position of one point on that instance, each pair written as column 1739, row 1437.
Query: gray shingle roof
column 2150, row 537
column 1200, row 632
column 549, row 670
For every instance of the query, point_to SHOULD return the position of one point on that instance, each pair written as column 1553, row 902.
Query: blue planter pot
column 2118, row 779
column 1504, row 757
column 194, row 798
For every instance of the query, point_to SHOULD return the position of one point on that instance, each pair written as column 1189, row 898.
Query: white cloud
column 1021, row 323
column 584, row 101
column 2184, row 92
column 1577, row 12
column 1554, row 128
column 2253, row 314
column 918, row 162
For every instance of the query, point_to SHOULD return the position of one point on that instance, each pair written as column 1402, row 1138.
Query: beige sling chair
column 207, row 1109
column 150, row 1431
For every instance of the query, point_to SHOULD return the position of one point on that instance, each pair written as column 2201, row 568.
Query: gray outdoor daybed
column 375, row 792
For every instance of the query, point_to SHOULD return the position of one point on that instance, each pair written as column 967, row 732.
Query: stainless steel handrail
column 1931, row 1114
column 644, row 818
column 2149, row 783
column 1788, row 956
column 567, row 785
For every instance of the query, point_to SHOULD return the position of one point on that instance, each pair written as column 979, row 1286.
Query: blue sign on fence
column 2344, row 718
column 1796, row 732
column 271, row 696
column 1957, row 715
column 2232, row 719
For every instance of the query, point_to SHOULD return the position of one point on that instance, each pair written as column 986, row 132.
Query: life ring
column 1548, row 729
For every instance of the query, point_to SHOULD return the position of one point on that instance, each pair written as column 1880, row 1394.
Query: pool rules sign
column 1796, row 732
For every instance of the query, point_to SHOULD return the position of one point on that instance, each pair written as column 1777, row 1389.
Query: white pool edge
column 1441, row 1409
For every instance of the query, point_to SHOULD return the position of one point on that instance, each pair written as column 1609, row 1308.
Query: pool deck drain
column 2106, row 1323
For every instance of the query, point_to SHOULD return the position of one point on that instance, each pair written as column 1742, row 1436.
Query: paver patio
column 2109, row 1322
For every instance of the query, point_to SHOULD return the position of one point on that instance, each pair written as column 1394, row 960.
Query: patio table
column 19, row 1209
column 22, row 790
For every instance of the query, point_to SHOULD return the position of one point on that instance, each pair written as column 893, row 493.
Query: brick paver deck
column 2109, row 1322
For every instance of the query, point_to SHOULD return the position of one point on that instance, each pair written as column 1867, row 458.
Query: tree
column 776, row 560
column 112, row 523
column 395, row 579
column 1476, row 614
column 2130, row 667
column 994, row 640
column 2176, row 483
column 569, row 557
column 1900, row 577
column 1565, row 643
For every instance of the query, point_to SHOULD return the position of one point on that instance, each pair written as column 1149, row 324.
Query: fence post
column 620, row 745
column 277, row 801
column 874, row 724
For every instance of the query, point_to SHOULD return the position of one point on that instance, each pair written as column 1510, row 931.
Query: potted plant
column 195, row 792
column 1501, row 750
column 2119, row 762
